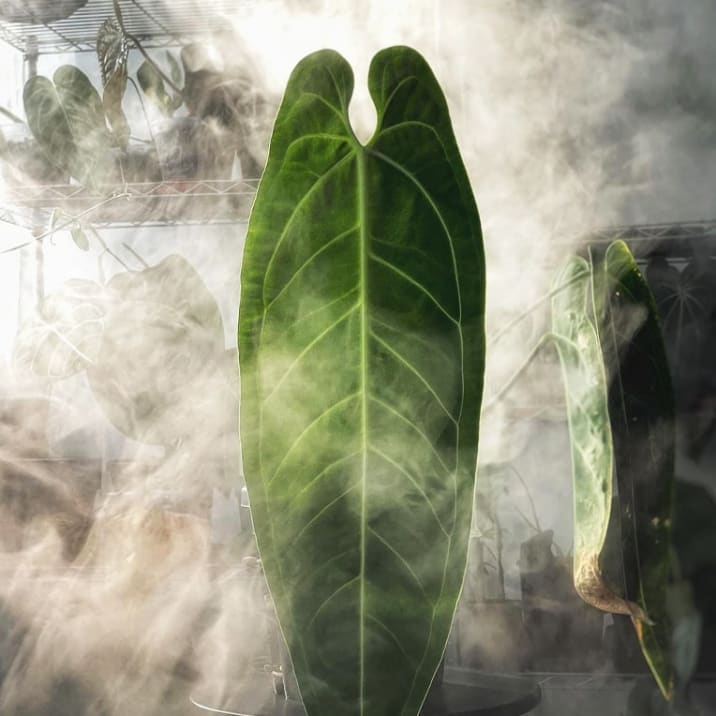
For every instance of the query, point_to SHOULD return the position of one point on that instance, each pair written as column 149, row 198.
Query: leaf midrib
column 364, row 334
column 361, row 154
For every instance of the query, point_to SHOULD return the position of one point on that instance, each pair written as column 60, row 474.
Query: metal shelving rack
column 156, row 24
column 148, row 204
column 173, row 202
column 645, row 239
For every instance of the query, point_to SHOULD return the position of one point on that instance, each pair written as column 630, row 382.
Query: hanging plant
column 112, row 53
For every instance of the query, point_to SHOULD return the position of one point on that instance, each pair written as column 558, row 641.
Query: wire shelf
column 145, row 204
column 674, row 239
column 156, row 23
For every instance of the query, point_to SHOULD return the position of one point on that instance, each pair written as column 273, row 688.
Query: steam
column 569, row 116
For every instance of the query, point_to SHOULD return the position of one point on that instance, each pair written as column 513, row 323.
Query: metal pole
column 31, row 57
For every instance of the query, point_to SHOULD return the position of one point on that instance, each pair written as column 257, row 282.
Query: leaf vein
column 422, row 492
column 308, row 262
column 426, row 195
column 301, row 202
column 406, row 277
column 316, row 340
column 330, row 598
column 414, row 427
column 325, row 470
column 309, row 427
column 402, row 560
column 323, row 510
column 394, row 638
column 318, row 135
column 409, row 366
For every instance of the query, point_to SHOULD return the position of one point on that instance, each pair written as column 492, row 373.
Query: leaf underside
column 585, row 384
column 361, row 341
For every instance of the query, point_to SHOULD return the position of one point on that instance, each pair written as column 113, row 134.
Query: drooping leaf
column 85, row 115
column 49, row 124
column 580, row 354
column 203, row 73
column 80, row 238
column 152, row 85
column 641, row 408
column 361, row 344
column 112, row 49
column 112, row 52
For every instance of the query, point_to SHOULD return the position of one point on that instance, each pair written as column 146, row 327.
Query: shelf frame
column 156, row 23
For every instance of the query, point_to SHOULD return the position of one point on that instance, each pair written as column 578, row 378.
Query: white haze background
column 569, row 116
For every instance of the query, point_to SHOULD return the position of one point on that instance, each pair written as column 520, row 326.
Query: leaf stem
column 106, row 248
column 11, row 115
column 550, row 294
column 68, row 343
column 516, row 375
column 135, row 254
column 536, row 526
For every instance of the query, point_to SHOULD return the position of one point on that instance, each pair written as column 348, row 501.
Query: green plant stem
column 11, row 115
column 516, row 375
column 151, row 140
column 499, row 549
column 105, row 248
column 144, row 112
column 135, row 254
column 68, row 343
column 65, row 224
column 536, row 526
column 145, row 54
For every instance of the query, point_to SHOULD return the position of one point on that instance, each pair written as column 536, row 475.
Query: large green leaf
column 361, row 343
column 641, row 408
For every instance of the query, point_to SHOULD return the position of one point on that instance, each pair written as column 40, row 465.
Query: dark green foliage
column 361, row 341
column 641, row 411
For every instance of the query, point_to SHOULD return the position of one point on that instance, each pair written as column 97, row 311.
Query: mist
column 130, row 583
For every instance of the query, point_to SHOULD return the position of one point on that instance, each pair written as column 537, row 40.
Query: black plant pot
column 36, row 12
column 463, row 693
